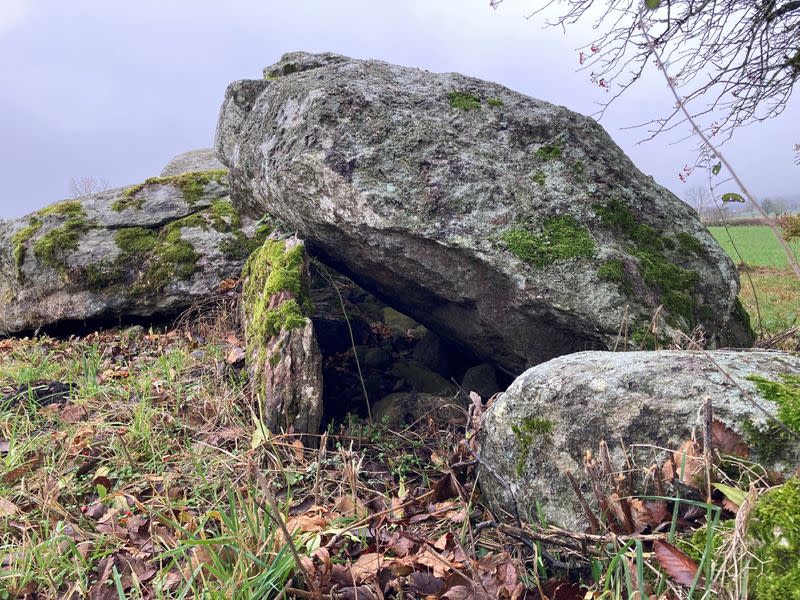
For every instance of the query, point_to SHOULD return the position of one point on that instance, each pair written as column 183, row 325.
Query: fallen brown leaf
column 676, row 563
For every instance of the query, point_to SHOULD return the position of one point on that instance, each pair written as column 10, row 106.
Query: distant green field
column 778, row 291
column 756, row 243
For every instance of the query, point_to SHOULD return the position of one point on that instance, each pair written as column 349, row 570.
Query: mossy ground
column 559, row 238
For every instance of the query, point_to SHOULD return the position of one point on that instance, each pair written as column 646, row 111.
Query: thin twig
column 680, row 103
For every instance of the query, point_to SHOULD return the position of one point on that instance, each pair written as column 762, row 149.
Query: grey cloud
column 113, row 90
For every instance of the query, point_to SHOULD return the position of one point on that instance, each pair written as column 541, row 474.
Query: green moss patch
column 20, row 240
column 163, row 254
column 239, row 247
column 674, row 283
column 270, row 271
column 275, row 297
column 464, row 101
column 192, row 185
column 54, row 246
column 612, row 270
column 494, row 102
column 136, row 240
column 527, row 433
column 688, row 243
column 539, row 177
column 224, row 216
column 775, row 529
column 771, row 441
column 67, row 208
column 560, row 238
column 549, row 152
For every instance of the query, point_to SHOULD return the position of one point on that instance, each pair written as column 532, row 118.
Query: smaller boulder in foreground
column 553, row 414
column 283, row 357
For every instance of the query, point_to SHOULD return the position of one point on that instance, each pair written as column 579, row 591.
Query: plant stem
column 769, row 220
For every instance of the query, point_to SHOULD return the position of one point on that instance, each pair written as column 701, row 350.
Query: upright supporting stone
column 283, row 357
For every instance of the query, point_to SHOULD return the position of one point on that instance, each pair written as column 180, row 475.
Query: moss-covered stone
column 464, row 101
column 674, row 284
column 494, row 102
column 67, row 208
column 103, row 274
column 775, row 533
column 163, row 255
column 539, row 177
column 53, row 247
column 224, row 217
column 270, row 271
column 772, row 441
column 529, row 431
column 275, row 298
column 192, row 185
column 611, row 270
column 238, row 246
column 559, row 238
column 136, row 240
column 128, row 199
column 19, row 242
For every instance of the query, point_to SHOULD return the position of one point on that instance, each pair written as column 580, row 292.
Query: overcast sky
column 114, row 89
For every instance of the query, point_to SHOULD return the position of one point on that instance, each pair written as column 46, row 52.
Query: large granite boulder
column 283, row 358
column 544, row 424
column 204, row 159
column 150, row 249
column 515, row 227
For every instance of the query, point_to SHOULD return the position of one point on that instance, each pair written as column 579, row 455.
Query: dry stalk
column 278, row 517
column 594, row 524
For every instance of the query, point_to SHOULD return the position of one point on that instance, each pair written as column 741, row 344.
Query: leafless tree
column 699, row 198
column 85, row 186
column 774, row 206
column 733, row 60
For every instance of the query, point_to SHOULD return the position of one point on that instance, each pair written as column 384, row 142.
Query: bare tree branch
column 88, row 185
column 739, row 59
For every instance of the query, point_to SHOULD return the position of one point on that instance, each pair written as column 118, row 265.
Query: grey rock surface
column 150, row 249
column 481, row 379
column 194, row 160
column 402, row 409
column 546, row 421
column 514, row 227
column 421, row 379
